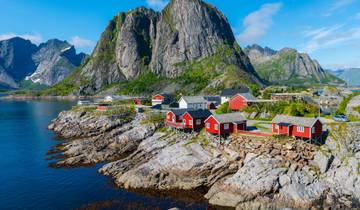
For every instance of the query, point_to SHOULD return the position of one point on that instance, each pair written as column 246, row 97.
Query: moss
column 342, row 108
column 145, row 83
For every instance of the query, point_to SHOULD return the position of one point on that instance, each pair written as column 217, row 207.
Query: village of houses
column 198, row 113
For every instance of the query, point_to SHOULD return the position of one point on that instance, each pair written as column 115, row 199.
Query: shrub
column 223, row 109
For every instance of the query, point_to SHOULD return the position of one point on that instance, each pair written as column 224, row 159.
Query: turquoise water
column 26, row 181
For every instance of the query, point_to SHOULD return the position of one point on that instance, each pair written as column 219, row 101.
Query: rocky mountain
column 46, row 64
column 189, row 38
column 287, row 66
column 54, row 59
column 351, row 75
column 15, row 61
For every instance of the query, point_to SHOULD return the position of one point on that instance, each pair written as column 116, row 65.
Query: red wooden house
column 241, row 100
column 225, row 124
column 195, row 120
column 299, row 127
column 174, row 118
column 161, row 99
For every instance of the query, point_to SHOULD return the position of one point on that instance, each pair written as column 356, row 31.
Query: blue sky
column 329, row 30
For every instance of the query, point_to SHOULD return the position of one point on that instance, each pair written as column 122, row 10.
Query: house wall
column 157, row 99
column 296, row 133
column 318, row 129
column 212, row 122
column 170, row 116
column 238, row 103
column 281, row 130
column 184, row 105
column 188, row 120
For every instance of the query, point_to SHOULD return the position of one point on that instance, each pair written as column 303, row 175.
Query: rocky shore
column 248, row 173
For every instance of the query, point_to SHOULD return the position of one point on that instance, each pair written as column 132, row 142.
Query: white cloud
column 34, row 38
column 157, row 4
column 81, row 42
column 333, row 36
column 257, row 24
column 338, row 5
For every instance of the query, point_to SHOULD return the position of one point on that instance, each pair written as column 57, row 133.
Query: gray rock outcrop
column 287, row 64
column 166, row 43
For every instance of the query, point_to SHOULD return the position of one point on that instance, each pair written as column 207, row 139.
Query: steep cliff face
column 287, row 66
column 165, row 44
column 54, row 60
column 46, row 64
column 15, row 61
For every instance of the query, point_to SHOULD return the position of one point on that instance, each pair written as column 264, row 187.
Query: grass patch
column 342, row 108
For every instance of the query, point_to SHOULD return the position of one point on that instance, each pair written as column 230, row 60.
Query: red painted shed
column 104, row 107
column 195, row 119
column 174, row 118
column 161, row 99
column 225, row 124
column 299, row 127
column 241, row 100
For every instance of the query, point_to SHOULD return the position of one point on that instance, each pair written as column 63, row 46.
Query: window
column 207, row 125
column 300, row 128
column 226, row 126
column 169, row 117
column 216, row 127
column 198, row 122
column 313, row 130
column 277, row 127
column 174, row 118
column 190, row 122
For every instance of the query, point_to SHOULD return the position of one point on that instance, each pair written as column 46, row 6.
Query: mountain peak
column 164, row 43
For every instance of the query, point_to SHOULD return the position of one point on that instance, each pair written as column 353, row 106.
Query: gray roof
column 231, row 117
column 302, row 121
column 248, row 96
column 178, row 112
column 200, row 114
column 194, row 99
column 233, row 91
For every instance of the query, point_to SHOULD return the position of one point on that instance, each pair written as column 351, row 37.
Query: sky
column 328, row 30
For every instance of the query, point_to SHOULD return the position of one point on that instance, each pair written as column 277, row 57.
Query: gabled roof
column 165, row 95
column 178, row 112
column 229, row 118
column 194, row 99
column 248, row 96
column 302, row 121
column 234, row 91
column 199, row 114
column 213, row 99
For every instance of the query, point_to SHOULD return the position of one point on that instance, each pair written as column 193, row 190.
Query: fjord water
column 26, row 181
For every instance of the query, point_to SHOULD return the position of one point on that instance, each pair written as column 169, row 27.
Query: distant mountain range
column 287, row 67
column 46, row 64
column 350, row 75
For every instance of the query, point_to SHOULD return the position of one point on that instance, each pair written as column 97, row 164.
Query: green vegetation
column 255, row 89
column 284, row 107
column 29, row 85
column 278, row 89
column 199, row 138
column 223, row 108
column 357, row 109
column 145, row 83
column 342, row 108
column 153, row 118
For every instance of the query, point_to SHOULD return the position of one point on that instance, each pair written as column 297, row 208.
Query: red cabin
column 195, row 119
column 104, row 107
column 241, row 100
column 161, row 99
column 174, row 118
column 225, row 124
column 299, row 127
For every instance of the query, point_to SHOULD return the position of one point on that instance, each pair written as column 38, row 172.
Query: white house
column 109, row 99
column 193, row 102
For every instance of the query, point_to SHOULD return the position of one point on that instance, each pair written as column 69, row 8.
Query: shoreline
column 244, row 175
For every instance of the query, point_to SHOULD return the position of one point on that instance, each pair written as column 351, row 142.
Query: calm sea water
column 26, row 181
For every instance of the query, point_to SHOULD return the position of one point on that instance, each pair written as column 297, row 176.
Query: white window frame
column 207, row 125
column 226, row 126
column 313, row 130
column 276, row 127
column 174, row 118
column 216, row 127
column 190, row 122
column 300, row 129
column 198, row 122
